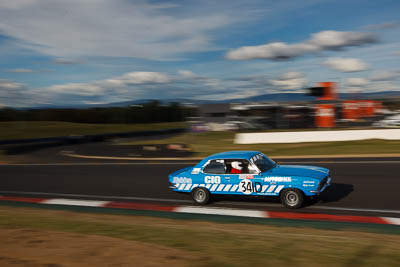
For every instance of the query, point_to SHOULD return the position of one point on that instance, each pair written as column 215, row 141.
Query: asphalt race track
column 368, row 186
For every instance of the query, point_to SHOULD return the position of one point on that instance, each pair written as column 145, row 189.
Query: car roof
column 234, row 155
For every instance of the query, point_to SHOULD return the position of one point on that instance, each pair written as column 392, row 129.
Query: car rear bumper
column 172, row 186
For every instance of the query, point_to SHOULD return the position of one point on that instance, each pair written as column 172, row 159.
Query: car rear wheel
column 201, row 196
column 292, row 198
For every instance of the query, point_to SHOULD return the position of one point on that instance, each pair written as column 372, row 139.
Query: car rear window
column 215, row 167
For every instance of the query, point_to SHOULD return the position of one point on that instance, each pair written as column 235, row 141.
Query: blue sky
column 99, row 51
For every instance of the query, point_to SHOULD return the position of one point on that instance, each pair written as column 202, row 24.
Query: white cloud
column 332, row 40
column 382, row 26
column 16, row 4
column 83, row 89
column 65, row 61
column 189, row 77
column 12, row 93
column 21, row 71
column 346, row 64
column 136, row 85
column 212, row 82
column 100, row 87
column 143, row 77
column 382, row 86
column 386, row 76
column 276, row 51
column 9, row 85
column 372, row 84
column 187, row 74
column 114, row 82
column 141, row 29
column 290, row 81
column 356, row 82
column 324, row 40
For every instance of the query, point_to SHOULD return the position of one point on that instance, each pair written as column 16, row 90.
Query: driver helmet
column 237, row 165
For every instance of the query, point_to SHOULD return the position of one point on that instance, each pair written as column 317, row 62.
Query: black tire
column 292, row 198
column 200, row 195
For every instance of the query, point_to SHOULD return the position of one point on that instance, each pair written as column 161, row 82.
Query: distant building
column 215, row 113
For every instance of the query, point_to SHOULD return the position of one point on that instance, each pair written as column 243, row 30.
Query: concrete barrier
column 316, row 136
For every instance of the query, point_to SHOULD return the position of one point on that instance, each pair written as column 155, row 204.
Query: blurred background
column 101, row 100
column 321, row 106
column 229, row 65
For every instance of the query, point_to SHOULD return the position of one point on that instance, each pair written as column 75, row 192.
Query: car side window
column 215, row 167
column 248, row 168
column 239, row 166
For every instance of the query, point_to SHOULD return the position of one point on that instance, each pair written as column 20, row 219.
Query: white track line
column 308, row 207
column 96, row 196
column 391, row 220
column 190, row 201
column 222, row 211
column 75, row 202
column 355, row 209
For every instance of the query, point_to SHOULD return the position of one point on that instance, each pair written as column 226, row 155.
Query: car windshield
column 264, row 163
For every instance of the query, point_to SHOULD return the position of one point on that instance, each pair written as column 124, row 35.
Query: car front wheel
column 201, row 196
column 292, row 198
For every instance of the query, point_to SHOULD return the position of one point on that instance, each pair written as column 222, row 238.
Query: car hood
column 300, row 170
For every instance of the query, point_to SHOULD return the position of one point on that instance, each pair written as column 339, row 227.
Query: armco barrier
column 316, row 136
column 98, row 137
column 18, row 146
column 25, row 148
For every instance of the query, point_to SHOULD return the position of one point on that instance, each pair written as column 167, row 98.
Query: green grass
column 213, row 142
column 42, row 129
column 202, row 143
column 221, row 244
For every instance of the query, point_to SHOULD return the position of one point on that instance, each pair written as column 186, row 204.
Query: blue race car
column 250, row 173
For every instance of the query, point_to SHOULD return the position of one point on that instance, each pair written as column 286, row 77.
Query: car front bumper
column 323, row 186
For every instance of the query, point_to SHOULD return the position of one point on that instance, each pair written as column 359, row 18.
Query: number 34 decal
column 248, row 187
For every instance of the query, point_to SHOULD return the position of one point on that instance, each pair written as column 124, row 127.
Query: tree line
column 151, row 112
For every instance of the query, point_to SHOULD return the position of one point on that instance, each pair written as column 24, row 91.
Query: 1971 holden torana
column 250, row 173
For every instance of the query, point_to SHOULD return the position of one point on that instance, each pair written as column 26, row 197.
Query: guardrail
column 316, row 136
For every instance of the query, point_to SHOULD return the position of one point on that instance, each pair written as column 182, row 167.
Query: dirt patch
column 31, row 247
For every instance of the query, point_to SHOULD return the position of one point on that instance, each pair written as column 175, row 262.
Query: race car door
column 215, row 177
column 271, row 184
column 248, row 181
column 220, row 178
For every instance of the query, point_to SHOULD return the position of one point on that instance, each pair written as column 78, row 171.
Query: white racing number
column 212, row 179
column 247, row 187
